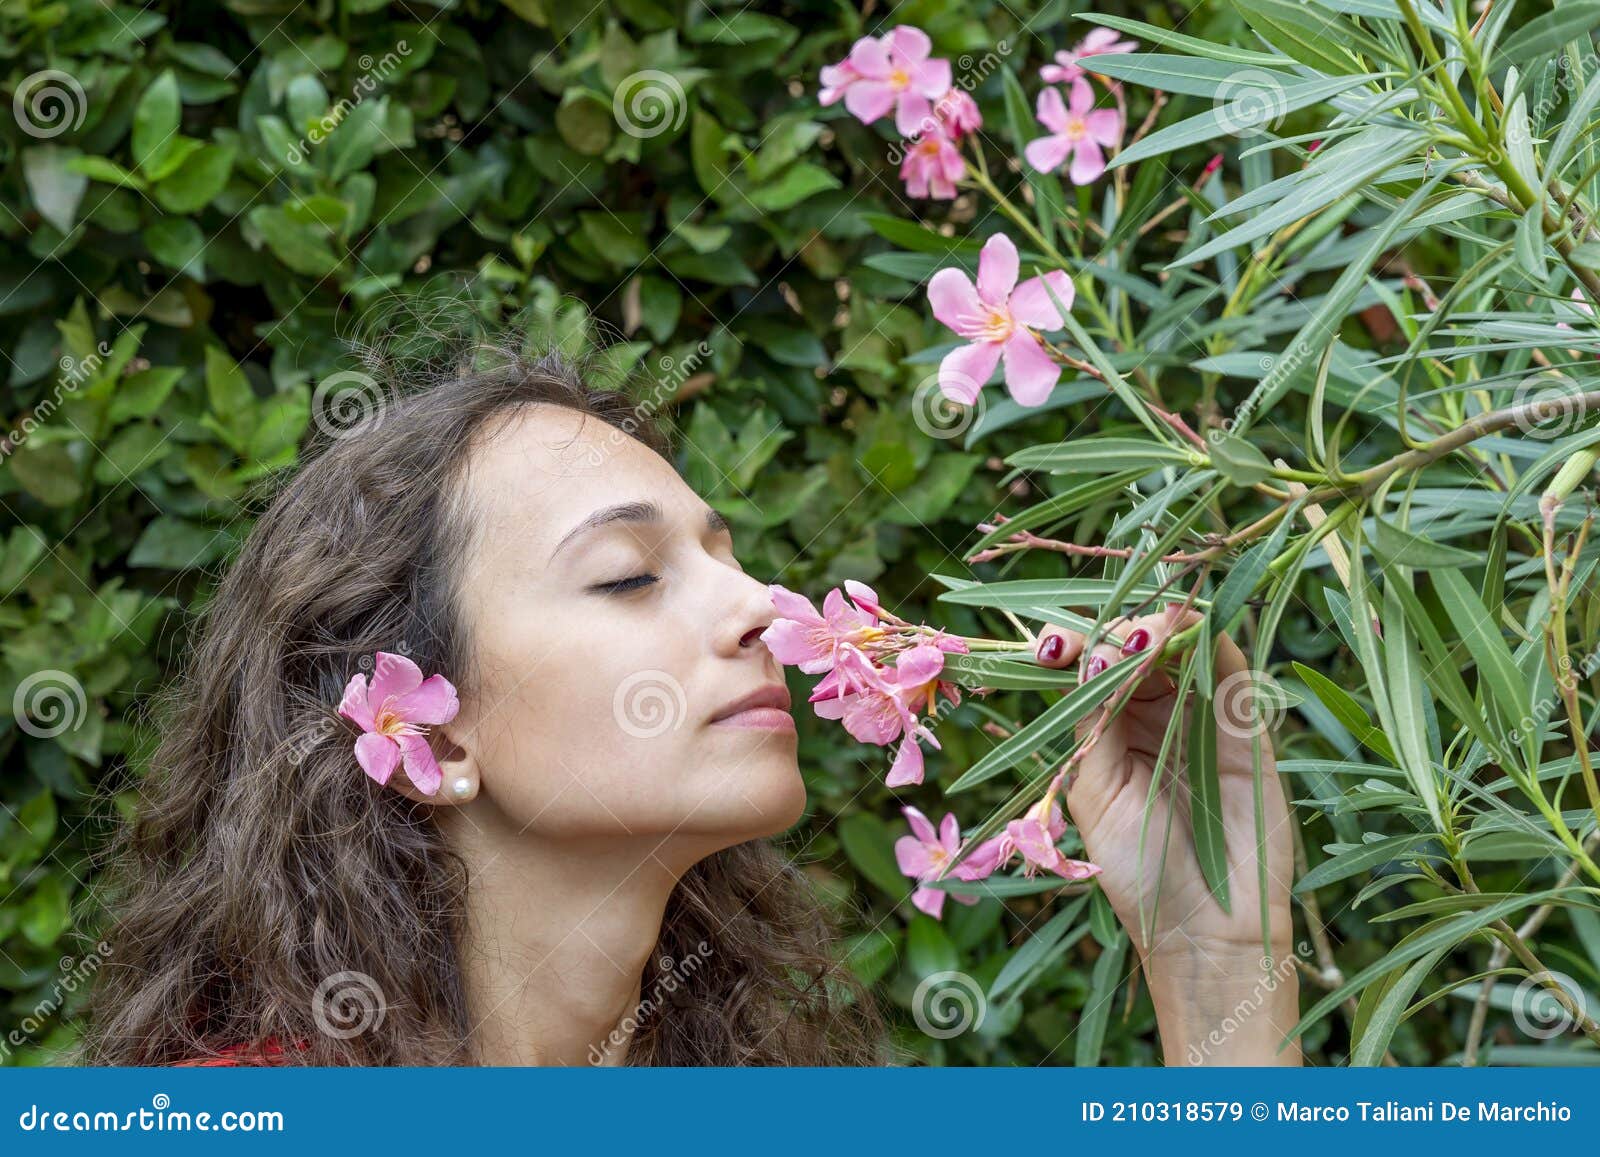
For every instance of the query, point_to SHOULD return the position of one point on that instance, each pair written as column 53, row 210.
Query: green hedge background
column 190, row 233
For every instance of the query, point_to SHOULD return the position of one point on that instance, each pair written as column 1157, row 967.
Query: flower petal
column 1047, row 154
column 355, row 706
column 907, row 767
column 433, row 702
column 955, row 302
column 1030, row 372
column 869, row 56
column 912, row 856
column 929, row 900
column 1088, row 162
column 997, row 270
column 910, row 42
column 868, row 100
column 1051, row 111
column 950, row 832
column 1104, row 125
column 966, row 369
column 931, row 78
column 391, row 675
column 422, row 769
column 378, row 755
column 1080, row 97
column 1031, row 304
column 921, row 826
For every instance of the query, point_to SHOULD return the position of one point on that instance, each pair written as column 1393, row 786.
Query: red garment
column 235, row 1055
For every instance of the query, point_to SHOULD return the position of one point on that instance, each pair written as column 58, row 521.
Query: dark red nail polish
column 1050, row 649
column 1097, row 664
column 1136, row 642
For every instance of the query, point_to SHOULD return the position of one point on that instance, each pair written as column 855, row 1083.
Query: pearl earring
column 461, row 788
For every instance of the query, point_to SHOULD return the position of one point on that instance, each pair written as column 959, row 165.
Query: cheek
column 598, row 741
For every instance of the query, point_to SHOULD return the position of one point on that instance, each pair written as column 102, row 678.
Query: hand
column 1201, row 961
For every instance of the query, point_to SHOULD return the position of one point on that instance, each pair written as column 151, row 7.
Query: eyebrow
column 633, row 512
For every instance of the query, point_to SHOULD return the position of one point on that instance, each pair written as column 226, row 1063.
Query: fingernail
column 1136, row 642
column 1097, row 664
column 1050, row 648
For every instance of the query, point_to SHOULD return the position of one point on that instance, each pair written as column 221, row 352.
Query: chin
column 762, row 797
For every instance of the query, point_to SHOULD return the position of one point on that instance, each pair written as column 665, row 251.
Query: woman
column 586, row 879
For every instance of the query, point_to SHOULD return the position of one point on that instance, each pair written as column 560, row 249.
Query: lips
column 772, row 698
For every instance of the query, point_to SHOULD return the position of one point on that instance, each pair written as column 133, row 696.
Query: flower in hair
column 392, row 711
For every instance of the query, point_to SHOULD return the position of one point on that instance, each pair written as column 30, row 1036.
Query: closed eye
column 622, row 586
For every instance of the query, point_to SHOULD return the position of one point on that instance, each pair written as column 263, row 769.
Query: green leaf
column 1346, row 710
column 869, row 846
column 1061, row 715
column 1205, row 799
column 1247, row 110
column 155, row 125
column 1403, row 548
column 1103, row 985
column 1240, row 462
column 1546, row 33
column 1311, row 37
column 1102, row 455
column 178, row 243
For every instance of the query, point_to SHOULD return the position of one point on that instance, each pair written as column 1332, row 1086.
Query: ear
column 456, row 762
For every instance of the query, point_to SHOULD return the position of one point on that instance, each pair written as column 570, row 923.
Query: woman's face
column 614, row 632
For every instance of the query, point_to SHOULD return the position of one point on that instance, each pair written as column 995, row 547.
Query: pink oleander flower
column 1068, row 65
column 880, row 705
column 1034, row 836
column 998, row 318
column 392, row 711
column 932, row 167
column 1077, row 130
column 889, row 73
column 802, row 638
column 836, row 80
column 925, row 855
column 959, row 114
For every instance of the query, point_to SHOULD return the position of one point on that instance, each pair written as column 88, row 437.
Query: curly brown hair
column 260, row 863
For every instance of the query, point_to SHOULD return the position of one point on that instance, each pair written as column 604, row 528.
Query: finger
column 1140, row 635
column 1058, row 647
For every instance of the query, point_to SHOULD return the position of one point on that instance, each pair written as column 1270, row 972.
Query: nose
column 748, row 612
